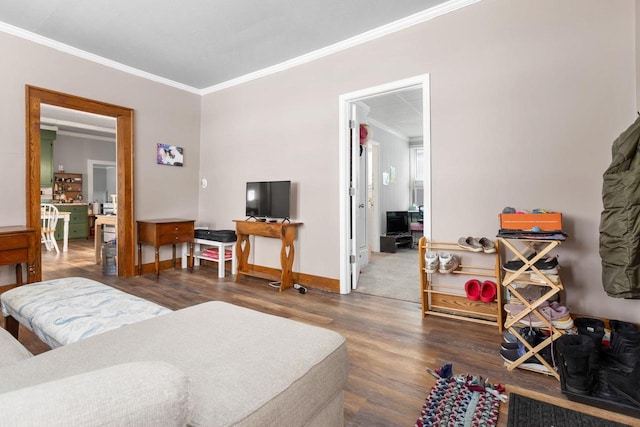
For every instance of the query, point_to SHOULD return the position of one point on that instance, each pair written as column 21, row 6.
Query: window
column 417, row 176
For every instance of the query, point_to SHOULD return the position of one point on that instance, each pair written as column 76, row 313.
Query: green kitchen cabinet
column 78, row 224
column 46, row 157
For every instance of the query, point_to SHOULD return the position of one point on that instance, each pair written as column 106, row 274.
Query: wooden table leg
column 12, row 326
column 286, row 261
column 243, row 246
column 192, row 259
column 157, row 262
column 174, row 255
column 139, row 259
column 18, row 274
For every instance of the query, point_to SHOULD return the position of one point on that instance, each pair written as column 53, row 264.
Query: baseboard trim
column 309, row 280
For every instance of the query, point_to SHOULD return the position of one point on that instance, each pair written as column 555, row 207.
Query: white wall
column 394, row 152
column 526, row 98
column 162, row 114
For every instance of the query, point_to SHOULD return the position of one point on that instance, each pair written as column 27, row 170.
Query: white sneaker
column 448, row 262
column 430, row 262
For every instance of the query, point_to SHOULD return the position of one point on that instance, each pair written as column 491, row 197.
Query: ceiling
column 77, row 123
column 203, row 43
column 399, row 111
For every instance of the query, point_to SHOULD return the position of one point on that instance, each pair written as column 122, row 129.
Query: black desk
column 389, row 243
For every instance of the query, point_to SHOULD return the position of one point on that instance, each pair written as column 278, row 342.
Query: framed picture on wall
column 170, row 155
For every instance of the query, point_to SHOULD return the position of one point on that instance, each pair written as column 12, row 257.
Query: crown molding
column 401, row 24
column 36, row 38
column 382, row 31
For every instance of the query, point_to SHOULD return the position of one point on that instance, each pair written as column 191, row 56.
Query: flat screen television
column 268, row 199
column 397, row 222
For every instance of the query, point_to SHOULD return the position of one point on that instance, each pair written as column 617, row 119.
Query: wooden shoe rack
column 534, row 276
column 450, row 300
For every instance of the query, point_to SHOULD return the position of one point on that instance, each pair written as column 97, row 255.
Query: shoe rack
column 532, row 277
column 449, row 299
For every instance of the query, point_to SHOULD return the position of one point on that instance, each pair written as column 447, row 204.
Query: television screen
column 397, row 222
column 268, row 199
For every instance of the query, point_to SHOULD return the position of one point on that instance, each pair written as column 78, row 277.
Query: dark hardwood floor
column 390, row 343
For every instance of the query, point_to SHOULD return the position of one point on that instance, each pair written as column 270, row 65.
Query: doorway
column 124, row 139
column 350, row 165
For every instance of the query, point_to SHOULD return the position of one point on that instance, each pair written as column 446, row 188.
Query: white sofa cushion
column 11, row 350
column 131, row 394
column 247, row 368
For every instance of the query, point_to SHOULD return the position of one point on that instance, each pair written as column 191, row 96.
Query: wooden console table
column 17, row 246
column 159, row 232
column 286, row 232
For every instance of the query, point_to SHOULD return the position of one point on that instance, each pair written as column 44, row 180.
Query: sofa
column 213, row 364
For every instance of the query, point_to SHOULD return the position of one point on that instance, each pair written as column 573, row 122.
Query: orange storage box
column 551, row 221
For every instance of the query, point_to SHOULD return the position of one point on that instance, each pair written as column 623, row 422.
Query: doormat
column 460, row 401
column 527, row 412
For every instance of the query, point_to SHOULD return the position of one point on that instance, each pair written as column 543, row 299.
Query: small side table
column 17, row 246
column 159, row 232
column 222, row 248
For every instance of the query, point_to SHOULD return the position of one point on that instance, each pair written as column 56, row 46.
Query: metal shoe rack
column 450, row 300
column 523, row 277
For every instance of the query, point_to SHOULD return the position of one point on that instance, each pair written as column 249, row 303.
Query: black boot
column 574, row 353
column 625, row 345
column 594, row 329
column 626, row 385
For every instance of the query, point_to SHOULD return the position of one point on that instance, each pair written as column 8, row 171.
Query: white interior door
column 362, row 217
column 349, row 160
column 356, row 232
column 373, row 207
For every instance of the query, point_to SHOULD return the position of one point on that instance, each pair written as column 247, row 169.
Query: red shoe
column 488, row 291
column 472, row 288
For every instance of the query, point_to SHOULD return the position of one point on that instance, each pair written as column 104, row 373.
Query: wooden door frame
column 124, row 157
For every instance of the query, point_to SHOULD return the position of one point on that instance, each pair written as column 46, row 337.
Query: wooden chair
column 49, row 215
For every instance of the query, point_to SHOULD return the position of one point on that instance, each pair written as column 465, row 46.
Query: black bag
column 216, row 235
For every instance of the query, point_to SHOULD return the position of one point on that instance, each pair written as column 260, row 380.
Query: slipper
column 487, row 245
column 470, row 244
column 472, row 288
column 488, row 291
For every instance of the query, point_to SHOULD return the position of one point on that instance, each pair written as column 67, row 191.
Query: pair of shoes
column 444, row 263
column 575, row 363
column 557, row 314
column 624, row 350
column 509, row 337
column 548, row 265
column 477, row 245
column 448, row 262
column 514, row 352
column 476, row 291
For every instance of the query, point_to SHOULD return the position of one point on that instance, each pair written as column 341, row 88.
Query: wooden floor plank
column 390, row 344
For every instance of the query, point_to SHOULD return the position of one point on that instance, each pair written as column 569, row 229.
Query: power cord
column 296, row 286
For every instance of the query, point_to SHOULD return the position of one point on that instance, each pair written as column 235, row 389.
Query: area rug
column 527, row 412
column 460, row 401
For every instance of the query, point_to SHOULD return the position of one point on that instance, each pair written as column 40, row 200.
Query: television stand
column 389, row 242
column 285, row 232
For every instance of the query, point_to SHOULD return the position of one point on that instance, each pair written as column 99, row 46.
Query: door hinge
column 352, row 191
column 352, row 259
column 352, row 124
